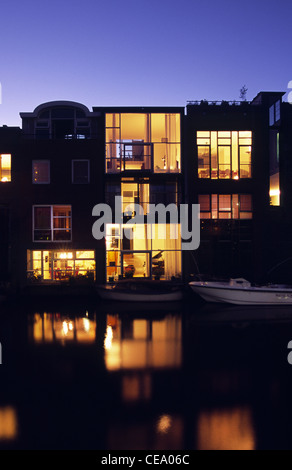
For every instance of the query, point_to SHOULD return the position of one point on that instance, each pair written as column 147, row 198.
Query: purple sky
column 140, row 52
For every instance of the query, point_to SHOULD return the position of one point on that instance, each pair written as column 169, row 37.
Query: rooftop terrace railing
column 217, row 103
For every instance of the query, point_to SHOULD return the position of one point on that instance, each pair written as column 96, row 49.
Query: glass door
column 136, row 264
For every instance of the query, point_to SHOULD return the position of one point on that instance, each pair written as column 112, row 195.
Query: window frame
column 51, row 229
column 49, row 171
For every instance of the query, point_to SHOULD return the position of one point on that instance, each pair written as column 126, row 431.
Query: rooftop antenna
column 242, row 93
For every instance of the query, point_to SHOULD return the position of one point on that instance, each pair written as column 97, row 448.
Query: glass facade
column 224, row 154
column 143, row 251
column 225, row 206
column 138, row 141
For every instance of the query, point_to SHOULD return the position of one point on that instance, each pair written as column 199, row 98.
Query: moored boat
column 240, row 292
column 143, row 291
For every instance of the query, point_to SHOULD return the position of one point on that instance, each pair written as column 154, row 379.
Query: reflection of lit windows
column 5, row 167
column 41, row 171
column 8, row 423
column 225, row 206
column 224, row 154
column 48, row 327
column 226, row 429
column 52, row 223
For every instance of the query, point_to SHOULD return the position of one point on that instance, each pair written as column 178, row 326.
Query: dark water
column 82, row 374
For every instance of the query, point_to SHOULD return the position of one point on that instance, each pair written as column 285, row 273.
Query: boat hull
column 109, row 293
column 242, row 296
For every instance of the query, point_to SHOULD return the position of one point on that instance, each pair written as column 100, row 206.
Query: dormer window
column 62, row 123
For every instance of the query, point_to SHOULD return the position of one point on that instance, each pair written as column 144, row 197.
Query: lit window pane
column 5, row 168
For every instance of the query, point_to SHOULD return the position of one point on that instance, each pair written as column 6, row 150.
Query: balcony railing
column 129, row 156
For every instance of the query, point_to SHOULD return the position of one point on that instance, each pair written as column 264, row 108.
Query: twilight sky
column 140, row 52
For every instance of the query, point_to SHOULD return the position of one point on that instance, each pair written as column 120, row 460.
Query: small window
column 80, row 171
column 41, row 171
column 52, row 223
column 5, row 168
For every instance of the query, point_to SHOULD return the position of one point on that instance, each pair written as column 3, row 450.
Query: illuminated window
column 5, row 167
column 143, row 251
column 225, row 206
column 224, row 154
column 41, row 171
column 51, row 265
column 274, row 168
column 147, row 142
column 52, row 223
column 80, row 171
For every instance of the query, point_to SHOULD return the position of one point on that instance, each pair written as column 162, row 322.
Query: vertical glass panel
column 5, row 168
column 245, row 161
column 224, row 162
column 42, row 217
column 235, row 206
column 112, row 120
column 214, row 206
column 214, row 158
column 275, row 189
column 224, row 202
column 245, row 202
column 165, row 127
column 135, row 126
column 204, row 162
column 47, row 265
column 235, row 173
column 166, row 158
column 136, row 265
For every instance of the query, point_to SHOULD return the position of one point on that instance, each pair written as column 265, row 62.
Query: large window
column 141, row 191
column 148, row 142
column 51, row 265
column 224, row 154
column 52, row 223
column 41, row 171
column 5, row 167
column 62, row 123
column 225, row 206
column 143, row 251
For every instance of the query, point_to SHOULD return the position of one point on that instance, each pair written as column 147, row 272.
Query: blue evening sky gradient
column 140, row 53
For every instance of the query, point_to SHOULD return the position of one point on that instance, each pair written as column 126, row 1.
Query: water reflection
column 135, row 343
column 226, row 429
column 100, row 378
column 8, row 423
column 50, row 327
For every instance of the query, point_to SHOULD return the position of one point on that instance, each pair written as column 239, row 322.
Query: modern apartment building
column 232, row 158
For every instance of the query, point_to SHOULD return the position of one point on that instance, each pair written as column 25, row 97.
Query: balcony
column 129, row 156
